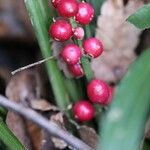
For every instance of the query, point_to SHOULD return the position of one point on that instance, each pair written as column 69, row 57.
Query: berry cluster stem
column 86, row 65
column 87, row 31
column 84, row 60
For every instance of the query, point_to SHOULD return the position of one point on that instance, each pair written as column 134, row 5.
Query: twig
column 50, row 126
column 32, row 65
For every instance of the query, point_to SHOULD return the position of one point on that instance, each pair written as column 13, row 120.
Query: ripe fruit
column 76, row 70
column 55, row 3
column 67, row 8
column 85, row 13
column 98, row 92
column 111, row 93
column 83, row 111
column 60, row 30
column 78, row 33
column 71, row 54
column 93, row 47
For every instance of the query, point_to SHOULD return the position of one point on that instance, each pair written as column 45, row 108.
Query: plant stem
column 86, row 65
column 72, row 89
column 84, row 60
column 40, row 26
column 8, row 137
column 88, row 31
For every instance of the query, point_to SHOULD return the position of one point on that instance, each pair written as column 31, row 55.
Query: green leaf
column 97, row 4
column 3, row 113
column 8, row 138
column 141, row 18
column 38, row 15
column 123, row 124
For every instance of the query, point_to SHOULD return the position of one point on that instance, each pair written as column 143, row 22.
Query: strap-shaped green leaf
column 123, row 125
column 141, row 18
column 40, row 23
column 9, row 138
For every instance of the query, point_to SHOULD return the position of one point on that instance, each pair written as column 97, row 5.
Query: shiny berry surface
column 78, row 33
column 60, row 30
column 55, row 3
column 85, row 13
column 67, row 8
column 83, row 111
column 71, row 54
column 98, row 92
column 93, row 47
column 76, row 70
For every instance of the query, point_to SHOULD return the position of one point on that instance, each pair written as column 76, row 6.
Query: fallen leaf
column 17, row 125
column 119, row 37
column 59, row 119
column 46, row 143
column 24, row 86
column 42, row 105
column 34, row 134
column 88, row 135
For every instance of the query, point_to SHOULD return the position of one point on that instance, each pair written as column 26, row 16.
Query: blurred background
column 18, row 45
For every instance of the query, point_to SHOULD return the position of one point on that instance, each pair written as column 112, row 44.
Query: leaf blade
column 123, row 125
column 39, row 21
column 141, row 18
column 9, row 138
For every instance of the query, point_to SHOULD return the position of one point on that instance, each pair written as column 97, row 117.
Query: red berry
column 83, row 110
column 93, row 47
column 98, row 92
column 78, row 33
column 76, row 70
column 60, row 30
column 111, row 93
column 71, row 54
column 85, row 13
column 55, row 3
column 67, row 8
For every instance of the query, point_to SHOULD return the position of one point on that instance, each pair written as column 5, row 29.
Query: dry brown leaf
column 120, row 39
column 17, row 125
column 24, row 86
column 88, row 135
column 49, row 141
column 27, row 91
column 46, row 143
column 34, row 134
column 59, row 119
column 42, row 105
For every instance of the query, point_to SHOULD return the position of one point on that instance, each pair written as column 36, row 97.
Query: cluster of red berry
column 98, row 92
column 61, row 30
